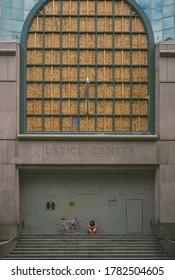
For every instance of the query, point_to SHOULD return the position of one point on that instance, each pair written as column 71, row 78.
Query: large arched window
column 87, row 67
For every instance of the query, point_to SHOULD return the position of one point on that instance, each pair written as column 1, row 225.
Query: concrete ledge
column 167, row 53
column 86, row 137
column 7, row 52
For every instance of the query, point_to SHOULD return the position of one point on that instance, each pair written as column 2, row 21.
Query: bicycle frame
column 69, row 223
column 72, row 224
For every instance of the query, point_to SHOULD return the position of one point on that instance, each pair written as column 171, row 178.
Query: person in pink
column 92, row 227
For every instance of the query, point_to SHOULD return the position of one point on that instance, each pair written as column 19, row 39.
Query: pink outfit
column 92, row 229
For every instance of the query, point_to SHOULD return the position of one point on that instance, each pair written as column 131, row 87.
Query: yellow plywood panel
column 104, row 7
column 87, row 57
column 140, row 124
column 87, row 123
column 34, row 40
column 69, row 57
column 86, row 92
column 69, row 107
column 140, row 74
column 140, row 90
column 87, row 7
column 51, row 40
column 137, row 25
column 139, row 41
column 34, row 107
column 37, row 24
column 51, row 107
column 34, row 124
column 69, row 7
column 122, row 57
column 140, row 107
column 66, row 123
column 52, row 124
column 140, row 57
column 52, row 57
column 87, row 24
column 34, row 73
column 104, row 124
column 122, row 73
column 69, row 73
column 122, row 124
column 122, row 41
column 51, row 90
column 87, row 41
column 69, row 24
column 122, row 24
column 34, row 89
column 121, row 8
column 34, row 57
column 70, row 40
column 51, row 73
column 122, row 90
column 104, row 107
column 122, row 107
column 105, row 24
column 49, row 7
column 52, row 23
column 69, row 90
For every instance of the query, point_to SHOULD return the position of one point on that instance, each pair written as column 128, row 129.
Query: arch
column 99, row 113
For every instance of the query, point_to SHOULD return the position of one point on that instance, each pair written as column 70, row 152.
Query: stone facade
column 60, row 152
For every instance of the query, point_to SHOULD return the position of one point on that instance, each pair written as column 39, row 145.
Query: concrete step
column 38, row 246
column 89, row 256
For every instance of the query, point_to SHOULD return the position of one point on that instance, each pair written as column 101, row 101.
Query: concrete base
column 6, row 248
column 166, row 233
column 8, row 231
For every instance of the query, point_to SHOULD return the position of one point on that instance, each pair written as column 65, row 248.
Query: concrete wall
column 166, row 68
column 9, row 94
column 108, row 153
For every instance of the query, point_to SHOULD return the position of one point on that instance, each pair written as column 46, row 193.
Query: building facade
column 87, row 103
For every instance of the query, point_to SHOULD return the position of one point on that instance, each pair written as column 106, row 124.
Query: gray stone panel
column 162, row 152
column 3, row 151
column 171, row 152
column 171, row 67
column 163, row 69
column 8, row 194
column 11, row 68
column 83, row 152
column 8, row 110
column 167, row 193
column 8, row 61
column 167, row 62
column 166, row 111
column 3, row 72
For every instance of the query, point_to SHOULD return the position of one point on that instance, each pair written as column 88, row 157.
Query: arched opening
column 87, row 67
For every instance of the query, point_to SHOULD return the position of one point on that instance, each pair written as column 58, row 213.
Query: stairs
column 52, row 246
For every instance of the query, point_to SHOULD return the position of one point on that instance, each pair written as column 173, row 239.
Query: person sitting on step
column 92, row 227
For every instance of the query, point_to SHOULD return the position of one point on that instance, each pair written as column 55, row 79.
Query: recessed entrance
column 120, row 202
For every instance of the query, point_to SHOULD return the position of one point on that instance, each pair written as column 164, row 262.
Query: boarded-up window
column 87, row 69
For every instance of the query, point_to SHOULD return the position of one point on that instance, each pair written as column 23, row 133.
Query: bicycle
column 74, row 225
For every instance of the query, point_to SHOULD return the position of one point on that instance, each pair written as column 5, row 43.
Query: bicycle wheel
column 77, row 228
column 59, row 227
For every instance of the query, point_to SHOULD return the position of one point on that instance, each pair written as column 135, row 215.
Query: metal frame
column 23, row 63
